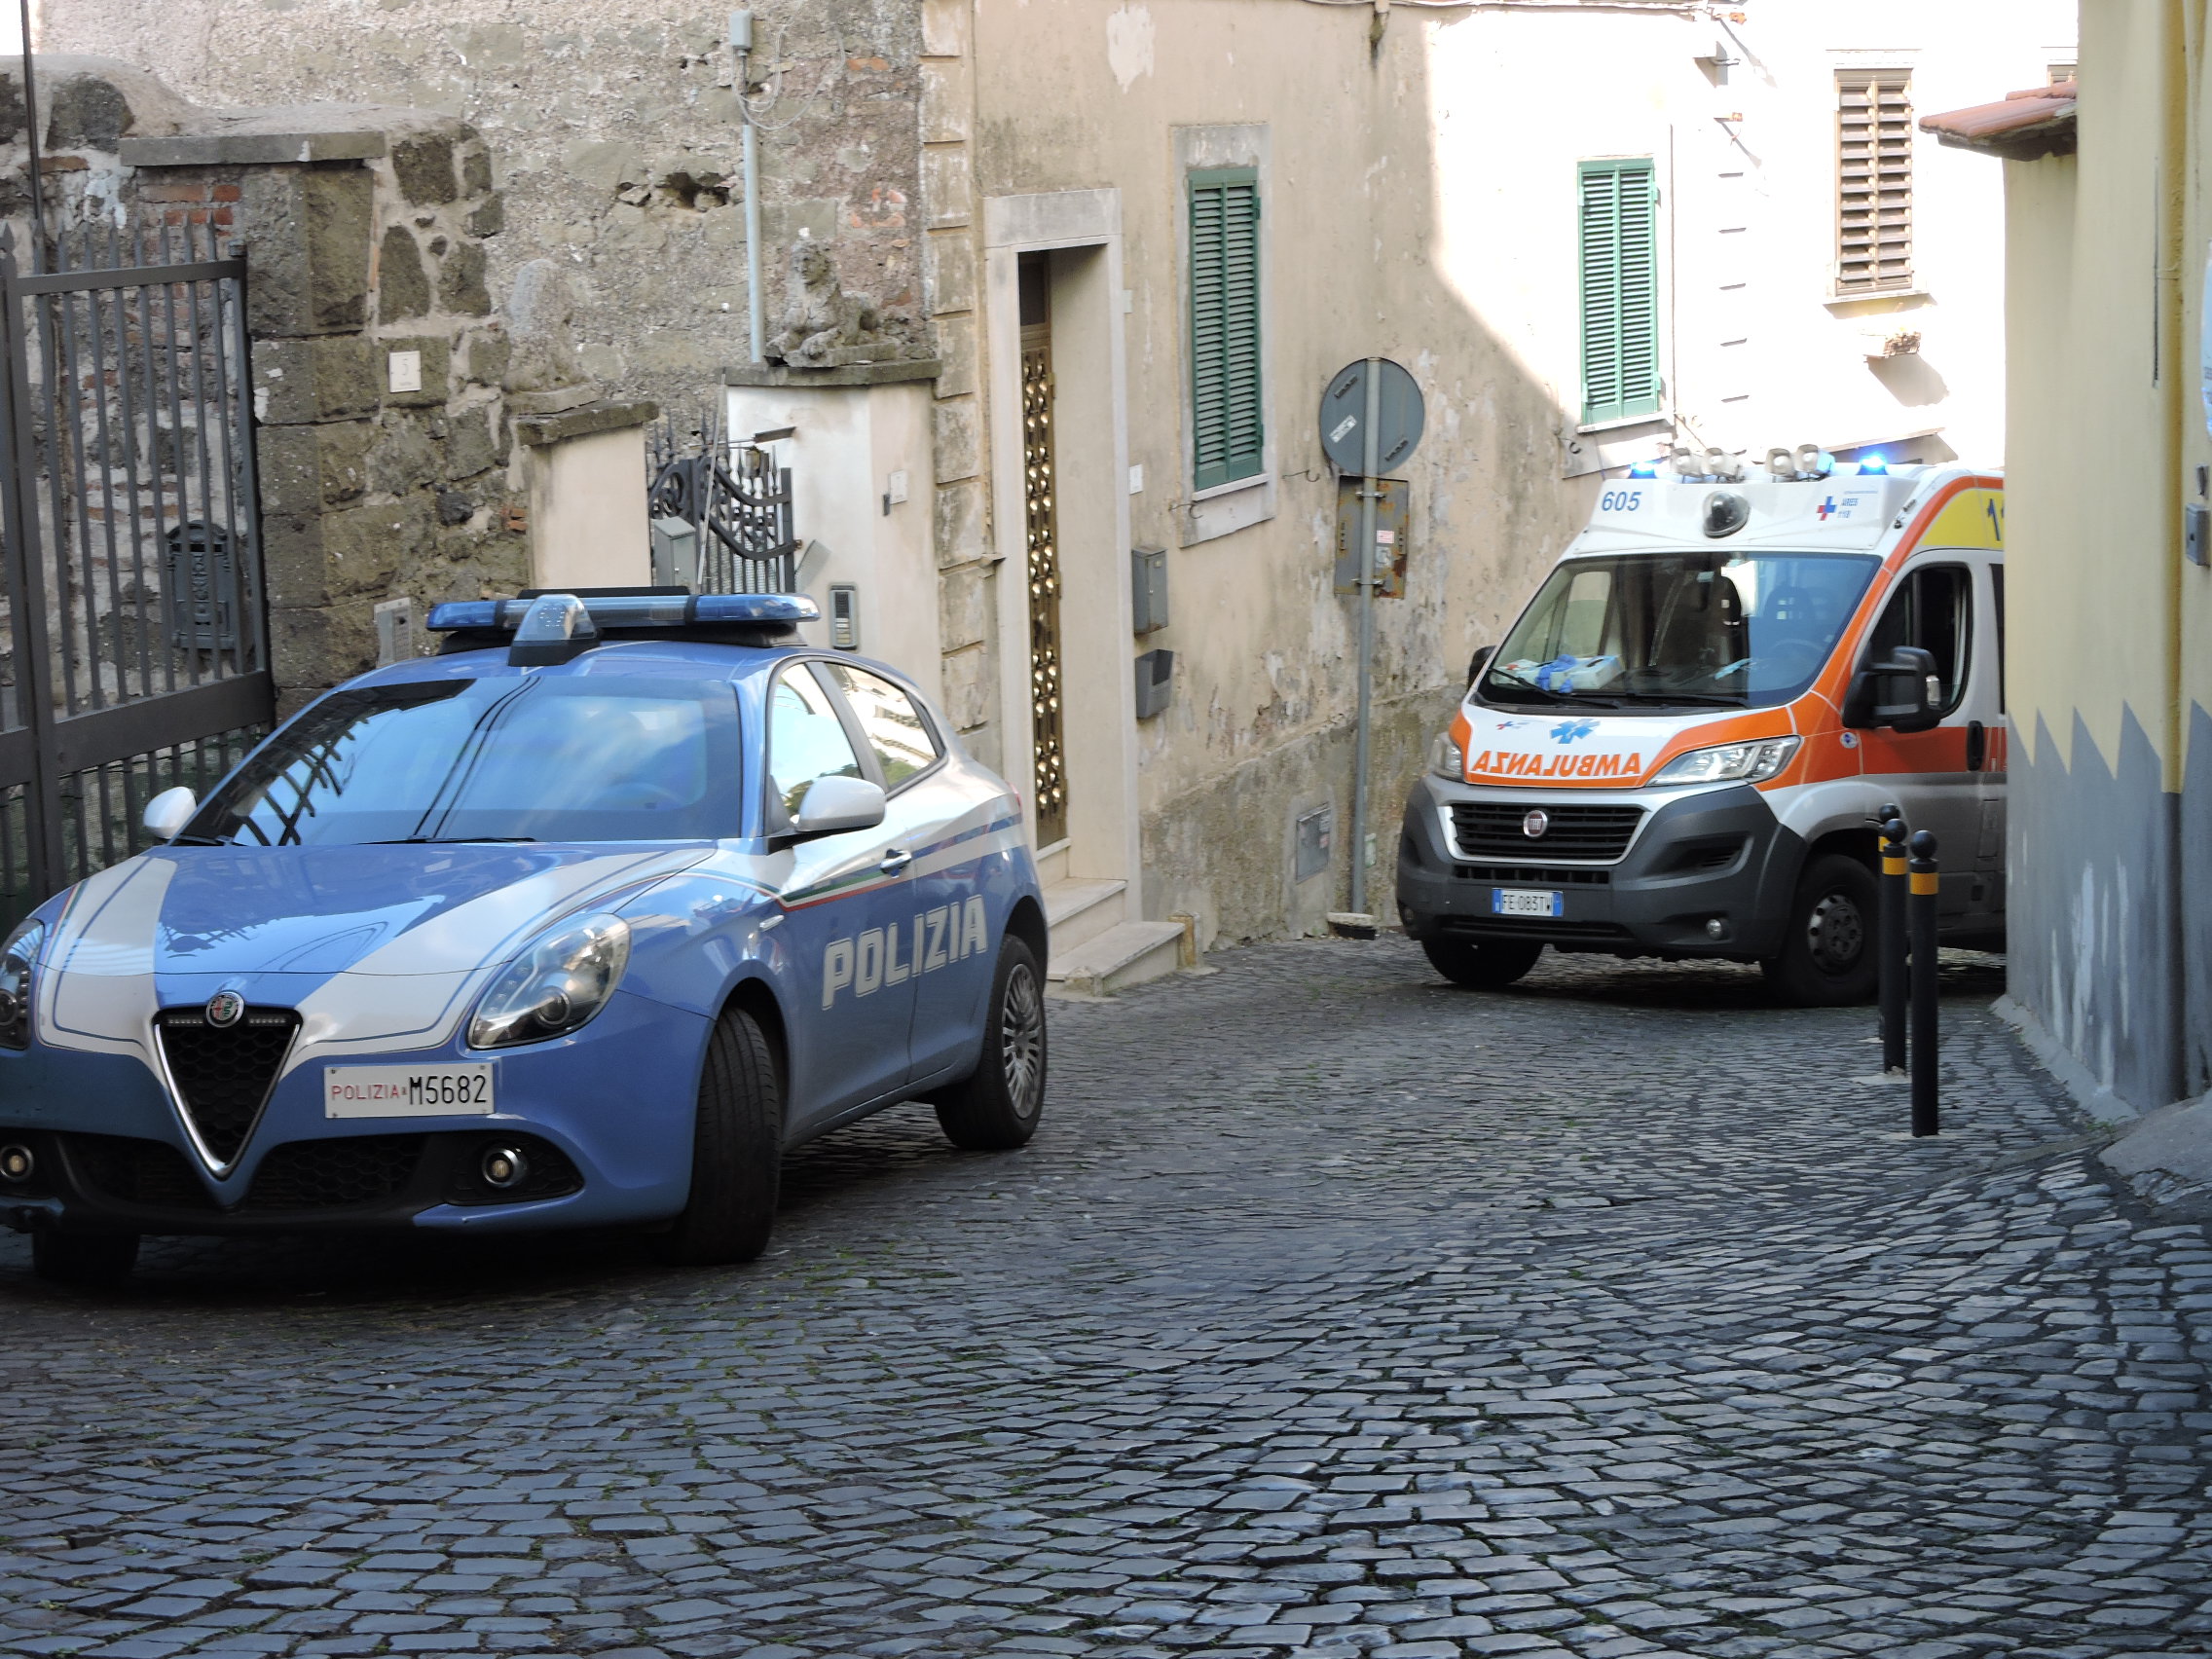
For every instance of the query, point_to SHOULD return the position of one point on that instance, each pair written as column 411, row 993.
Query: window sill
column 1226, row 508
column 1659, row 418
column 1884, row 296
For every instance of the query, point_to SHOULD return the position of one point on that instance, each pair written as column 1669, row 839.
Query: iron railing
column 735, row 496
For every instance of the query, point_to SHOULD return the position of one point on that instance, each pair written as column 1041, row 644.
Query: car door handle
column 1978, row 744
column 895, row 861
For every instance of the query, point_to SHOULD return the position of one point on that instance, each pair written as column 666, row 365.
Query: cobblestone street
column 1334, row 1310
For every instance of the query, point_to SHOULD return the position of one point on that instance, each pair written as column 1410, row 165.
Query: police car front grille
column 334, row 1174
column 135, row 1171
column 1495, row 829
column 223, row 1075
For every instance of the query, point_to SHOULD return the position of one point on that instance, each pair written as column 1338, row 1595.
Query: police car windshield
column 1643, row 632
column 592, row 759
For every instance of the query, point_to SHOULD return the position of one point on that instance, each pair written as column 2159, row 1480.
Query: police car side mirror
column 833, row 805
column 1895, row 693
column 1478, row 662
column 169, row 812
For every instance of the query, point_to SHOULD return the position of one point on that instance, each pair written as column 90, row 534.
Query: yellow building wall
column 2107, row 670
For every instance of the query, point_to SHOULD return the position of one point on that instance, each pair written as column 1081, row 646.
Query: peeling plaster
column 1129, row 44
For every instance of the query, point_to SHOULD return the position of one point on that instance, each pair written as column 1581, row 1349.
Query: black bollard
column 1890, row 940
column 1922, row 903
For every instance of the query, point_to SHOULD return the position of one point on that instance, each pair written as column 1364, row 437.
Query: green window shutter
column 1227, row 436
column 1620, row 291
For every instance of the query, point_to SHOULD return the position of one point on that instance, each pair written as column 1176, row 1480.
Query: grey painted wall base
column 2093, row 925
column 2168, row 1155
column 2095, row 1099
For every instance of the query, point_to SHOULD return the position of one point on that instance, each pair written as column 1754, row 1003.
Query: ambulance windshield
column 1652, row 631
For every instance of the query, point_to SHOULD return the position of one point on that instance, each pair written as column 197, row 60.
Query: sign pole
column 1371, row 463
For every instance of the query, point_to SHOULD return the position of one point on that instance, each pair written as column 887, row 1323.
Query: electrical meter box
column 1148, row 589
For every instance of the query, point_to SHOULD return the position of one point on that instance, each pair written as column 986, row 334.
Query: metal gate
column 735, row 496
column 131, row 586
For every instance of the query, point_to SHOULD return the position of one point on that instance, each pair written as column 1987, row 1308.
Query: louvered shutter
column 1620, row 291
column 1227, row 436
column 1873, row 220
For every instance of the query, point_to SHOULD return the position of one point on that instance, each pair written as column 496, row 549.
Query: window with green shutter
column 1620, row 291
column 1227, row 437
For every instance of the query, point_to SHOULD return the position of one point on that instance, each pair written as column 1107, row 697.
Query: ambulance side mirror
column 1894, row 692
column 831, row 806
column 169, row 812
column 1478, row 662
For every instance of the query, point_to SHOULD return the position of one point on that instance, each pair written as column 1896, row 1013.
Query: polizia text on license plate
column 407, row 1092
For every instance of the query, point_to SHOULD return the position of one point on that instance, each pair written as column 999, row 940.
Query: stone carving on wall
column 824, row 327
column 543, row 374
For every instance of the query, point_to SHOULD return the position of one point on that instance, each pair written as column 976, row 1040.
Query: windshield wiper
column 445, row 840
column 1556, row 695
column 1702, row 698
column 197, row 841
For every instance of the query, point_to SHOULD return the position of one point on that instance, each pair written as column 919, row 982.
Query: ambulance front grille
column 224, row 1075
column 1497, row 829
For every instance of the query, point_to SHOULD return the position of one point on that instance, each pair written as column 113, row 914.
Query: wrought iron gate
column 131, row 586
column 738, row 500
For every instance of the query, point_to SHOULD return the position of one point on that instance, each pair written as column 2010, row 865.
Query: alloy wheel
column 1021, row 1041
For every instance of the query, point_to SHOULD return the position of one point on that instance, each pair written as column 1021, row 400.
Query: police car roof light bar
column 632, row 610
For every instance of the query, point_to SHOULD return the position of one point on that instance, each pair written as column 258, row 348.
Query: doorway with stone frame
column 1060, row 445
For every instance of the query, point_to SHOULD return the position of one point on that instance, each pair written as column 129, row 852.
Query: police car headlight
column 1446, row 761
column 554, row 987
column 18, row 959
column 1730, row 763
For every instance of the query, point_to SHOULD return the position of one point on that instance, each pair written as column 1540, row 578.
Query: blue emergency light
column 554, row 627
column 636, row 610
column 1874, row 463
column 1645, row 469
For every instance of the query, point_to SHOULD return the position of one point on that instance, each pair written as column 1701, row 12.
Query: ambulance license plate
column 1522, row 901
column 407, row 1092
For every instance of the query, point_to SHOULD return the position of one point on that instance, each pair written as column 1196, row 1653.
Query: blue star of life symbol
column 1567, row 732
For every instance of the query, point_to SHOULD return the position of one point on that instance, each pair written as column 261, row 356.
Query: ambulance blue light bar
column 636, row 610
column 1873, row 464
column 1645, row 469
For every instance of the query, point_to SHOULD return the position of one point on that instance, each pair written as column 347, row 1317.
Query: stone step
column 1079, row 911
column 1126, row 954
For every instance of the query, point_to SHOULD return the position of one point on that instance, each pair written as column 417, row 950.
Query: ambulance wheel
column 85, row 1261
column 1486, row 967
column 997, row 1106
column 1829, row 957
column 737, row 1152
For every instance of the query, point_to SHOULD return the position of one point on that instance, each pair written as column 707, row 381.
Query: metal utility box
column 844, row 616
column 675, row 552
column 1317, row 830
column 1148, row 589
column 1392, row 511
column 1156, row 683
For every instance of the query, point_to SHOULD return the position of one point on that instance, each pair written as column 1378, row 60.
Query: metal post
column 756, row 332
column 30, row 121
column 1890, row 940
column 1371, row 462
column 1923, row 877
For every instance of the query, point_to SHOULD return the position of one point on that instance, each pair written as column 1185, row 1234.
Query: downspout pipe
column 741, row 43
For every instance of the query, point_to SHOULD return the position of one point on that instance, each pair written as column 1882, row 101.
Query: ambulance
column 1683, row 746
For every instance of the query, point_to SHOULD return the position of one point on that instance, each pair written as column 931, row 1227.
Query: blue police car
column 580, row 923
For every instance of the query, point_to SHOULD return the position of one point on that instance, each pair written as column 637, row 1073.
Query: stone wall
column 365, row 231
column 614, row 140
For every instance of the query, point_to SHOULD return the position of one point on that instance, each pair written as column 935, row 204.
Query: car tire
column 737, row 1152
column 1829, row 955
column 83, row 1261
column 1487, row 966
column 998, row 1106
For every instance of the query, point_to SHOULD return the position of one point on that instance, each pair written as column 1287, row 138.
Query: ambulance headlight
column 1730, row 763
column 1446, row 761
column 554, row 987
column 18, row 960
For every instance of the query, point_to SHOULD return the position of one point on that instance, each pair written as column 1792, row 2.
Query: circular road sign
column 1343, row 411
